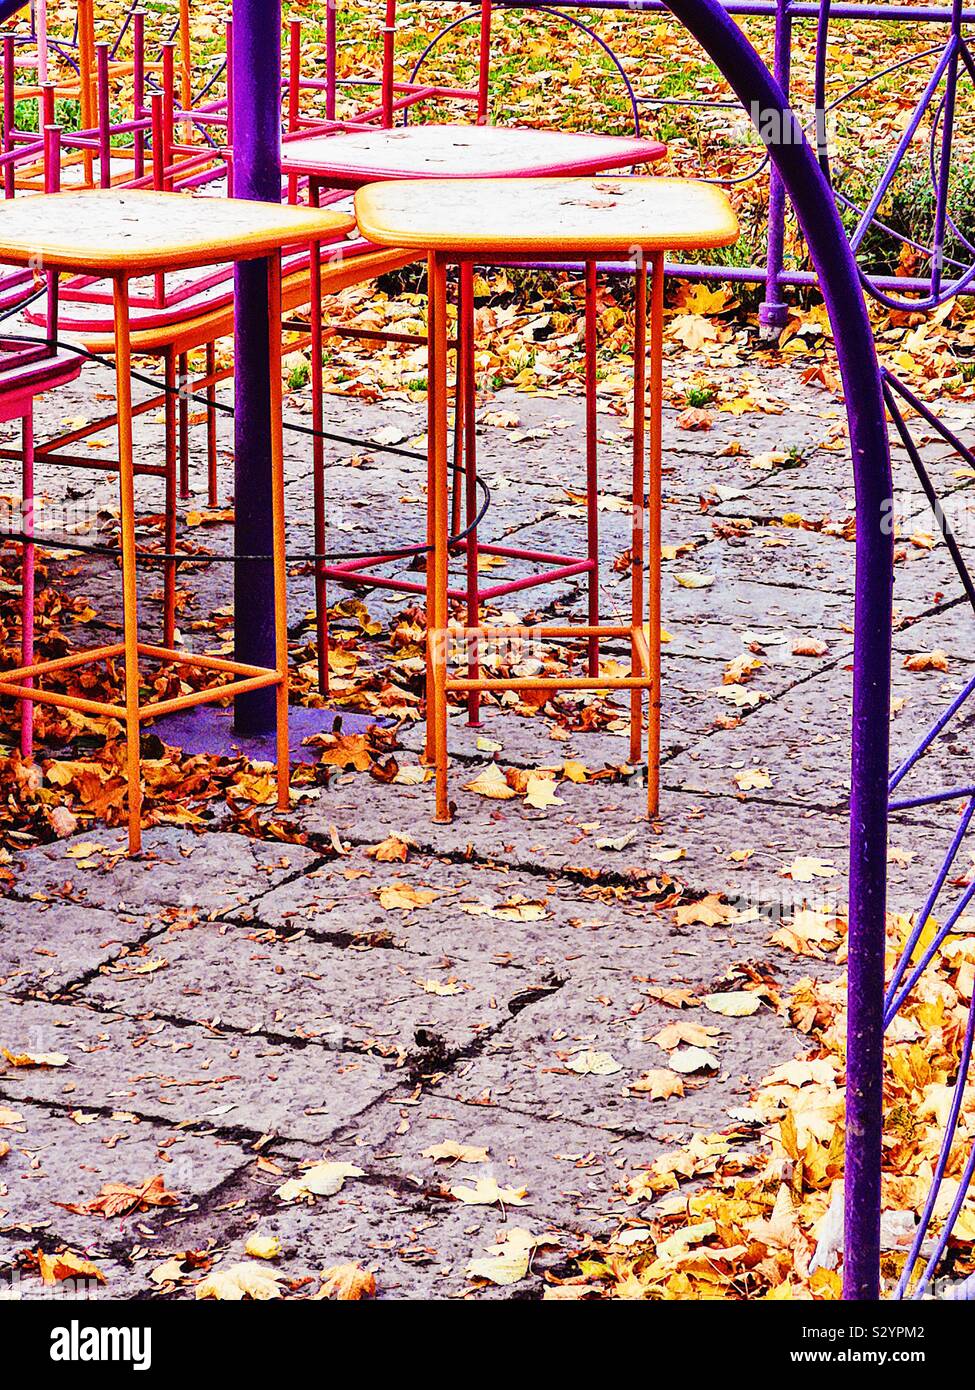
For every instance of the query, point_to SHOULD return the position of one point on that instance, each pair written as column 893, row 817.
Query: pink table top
column 349, row 159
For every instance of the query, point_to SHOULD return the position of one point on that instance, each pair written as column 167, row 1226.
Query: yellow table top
column 462, row 151
column 602, row 216
column 108, row 230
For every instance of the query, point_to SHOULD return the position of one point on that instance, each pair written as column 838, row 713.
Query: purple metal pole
column 773, row 312
column 257, row 175
column 806, row 185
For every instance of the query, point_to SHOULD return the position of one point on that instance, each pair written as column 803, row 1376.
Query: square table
column 120, row 235
column 349, row 159
column 589, row 220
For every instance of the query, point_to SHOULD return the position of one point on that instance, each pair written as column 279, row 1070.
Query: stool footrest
column 554, row 683
column 247, row 678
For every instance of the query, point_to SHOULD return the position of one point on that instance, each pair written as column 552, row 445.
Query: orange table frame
column 634, row 220
column 122, row 236
column 21, row 683
column 645, row 674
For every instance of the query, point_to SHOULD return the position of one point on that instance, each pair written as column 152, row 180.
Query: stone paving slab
column 568, row 1169
column 181, row 1074
column 324, row 1039
column 186, row 875
column 55, row 1158
column 529, row 1067
column 395, row 1003
column 47, row 945
column 534, row 920
column 807, row 730
column 418, row 1246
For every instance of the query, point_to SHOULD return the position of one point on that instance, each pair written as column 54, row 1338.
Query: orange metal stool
column 122, row 235
column 458, row 220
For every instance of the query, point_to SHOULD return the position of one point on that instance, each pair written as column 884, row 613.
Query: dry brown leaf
column 487, row 1193
column 347, row 1283
column 927, row 661
column 390, row 851
column 709, row 912
column 403, row 897
column 658, row 1084
column 238, row 1282
column 491, row 783
column 32, row 1059
column 54, row 1269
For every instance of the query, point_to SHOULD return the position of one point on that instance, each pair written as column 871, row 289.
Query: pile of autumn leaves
column 755, row 1212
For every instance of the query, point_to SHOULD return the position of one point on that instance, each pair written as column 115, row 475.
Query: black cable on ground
column 179, row 557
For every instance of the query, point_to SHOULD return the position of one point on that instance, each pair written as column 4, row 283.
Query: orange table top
column 137, row 230
column 458, row 151
column 581, row 217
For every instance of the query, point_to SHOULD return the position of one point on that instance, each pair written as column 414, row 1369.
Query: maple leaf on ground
column 344, row 751
column 734, row 1004
column 452, row 1152
column 695, row 1034
column 262, row 1247
column 320, row 1180
column 540, row 792
column 491, row 783
column 509, row 1259
column 805, row 868
column 394, row 849
column 487, row 1193
column 122, row 1199
column 403, row 897
column 694, row 418
column 659, row 1084
column 589, row 1063
column 692, row 1059
column 710, row 911
column 927, row 661
column 347, row 1283
column 238, row 1282
column 753, row 779
column 55, row 1269
column 39, row 1059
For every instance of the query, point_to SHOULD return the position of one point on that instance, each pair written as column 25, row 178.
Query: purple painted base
column 209, row 729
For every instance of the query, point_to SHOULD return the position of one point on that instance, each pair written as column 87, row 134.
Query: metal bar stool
column 123, row 235
column 458, row 220
column 353, row 159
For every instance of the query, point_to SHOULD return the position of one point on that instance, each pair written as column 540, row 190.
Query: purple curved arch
column 839, row 280
column 8, row 8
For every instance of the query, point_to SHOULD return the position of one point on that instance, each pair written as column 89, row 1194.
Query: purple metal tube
column 331, row 58
column 139, row 90
column 256, row 114
column 804, row 182
column 104, row 117
column 773, row 312
column 9, row 78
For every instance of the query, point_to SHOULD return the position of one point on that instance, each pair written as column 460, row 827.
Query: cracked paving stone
column 572, row 1172
column 194, row 874
column 392, row 1001
column 187, row 1075
column 803, row 738
column 47, row 945
column 525, row 1067
column 58, row 1158
column 417, row 1245
column 530, row 919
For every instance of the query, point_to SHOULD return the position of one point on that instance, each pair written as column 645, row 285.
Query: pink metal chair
column 26, row 372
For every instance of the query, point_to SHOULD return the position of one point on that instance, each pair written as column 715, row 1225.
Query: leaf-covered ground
column 548, row 1049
